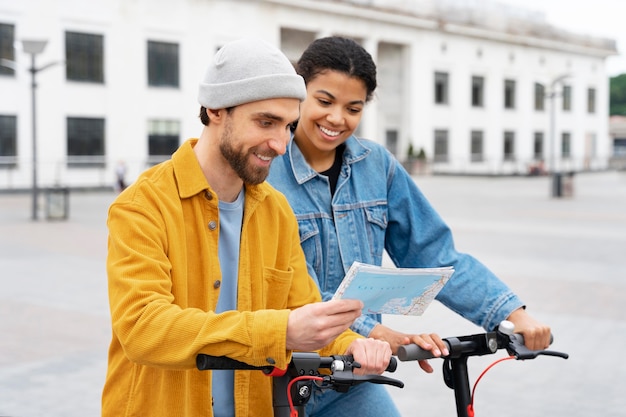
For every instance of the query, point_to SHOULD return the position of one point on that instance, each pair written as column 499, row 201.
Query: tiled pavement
column 566, row 258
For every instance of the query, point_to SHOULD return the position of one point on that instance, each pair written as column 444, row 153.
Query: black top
column 333, row 172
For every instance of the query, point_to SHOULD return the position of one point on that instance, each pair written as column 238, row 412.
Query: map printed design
column 403, row 291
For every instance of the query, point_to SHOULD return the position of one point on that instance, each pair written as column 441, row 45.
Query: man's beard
column 238, row 159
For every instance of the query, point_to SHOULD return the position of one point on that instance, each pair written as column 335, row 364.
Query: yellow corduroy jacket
column 163, row 274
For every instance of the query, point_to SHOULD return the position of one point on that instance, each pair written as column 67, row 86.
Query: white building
column 472, row 83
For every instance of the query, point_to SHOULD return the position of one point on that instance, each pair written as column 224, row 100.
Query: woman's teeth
column 329, row 132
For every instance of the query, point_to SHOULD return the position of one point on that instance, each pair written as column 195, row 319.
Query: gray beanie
column 249, row 70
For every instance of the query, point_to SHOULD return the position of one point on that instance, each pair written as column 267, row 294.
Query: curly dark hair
column 341, row 54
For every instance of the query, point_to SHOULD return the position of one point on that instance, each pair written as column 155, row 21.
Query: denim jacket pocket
column 376, row 217
column 310, row 240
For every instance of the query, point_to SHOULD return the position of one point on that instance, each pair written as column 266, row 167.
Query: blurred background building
column 617, row 130
column 474, row 86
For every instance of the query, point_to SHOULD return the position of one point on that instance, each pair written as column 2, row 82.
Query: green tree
column 617, row 100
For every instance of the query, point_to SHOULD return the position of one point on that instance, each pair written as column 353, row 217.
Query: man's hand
column 313, row 326
column 373, row 356
column 536, row 334
column 431, row 342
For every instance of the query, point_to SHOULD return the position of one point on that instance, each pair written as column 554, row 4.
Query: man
column 205, row 257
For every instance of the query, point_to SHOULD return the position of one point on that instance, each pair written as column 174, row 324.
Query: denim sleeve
column 418, row 237
column 364, row 324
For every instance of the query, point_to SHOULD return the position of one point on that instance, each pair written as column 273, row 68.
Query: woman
column 353, row 201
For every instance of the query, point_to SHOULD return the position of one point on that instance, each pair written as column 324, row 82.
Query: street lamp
column 34, row 48
column 552, row 95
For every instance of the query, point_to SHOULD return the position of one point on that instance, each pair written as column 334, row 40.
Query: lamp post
column 34, row 48
column 552, row 95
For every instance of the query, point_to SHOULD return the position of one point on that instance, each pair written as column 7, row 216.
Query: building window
column 163, row 138
column 8, row 141
column 476, row 146
column 162, row 64
column 441, row 88
column 478, row 84
column 84, row 57
column 567, row 98
column 509, row 94
column 391, row 141
column 566, row 146
column 619, row 147
column 540, row 96
column 441, row 146
column 538, row 146
column 509, row 146
column 591, row 100
column 85, row 142
column 7, row 51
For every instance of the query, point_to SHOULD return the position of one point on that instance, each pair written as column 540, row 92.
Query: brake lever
column 342, row 381
column 515, row 347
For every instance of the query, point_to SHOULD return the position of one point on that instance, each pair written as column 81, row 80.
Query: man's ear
column 215, row 115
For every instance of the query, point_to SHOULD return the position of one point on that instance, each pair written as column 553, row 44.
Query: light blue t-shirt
column 231, row 217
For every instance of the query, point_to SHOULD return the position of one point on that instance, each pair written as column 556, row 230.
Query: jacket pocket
column 277, row 287
column 376, row 218
column 310, row 240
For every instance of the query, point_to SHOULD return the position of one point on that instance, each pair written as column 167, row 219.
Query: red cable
column 292, row 411
column 470, row 407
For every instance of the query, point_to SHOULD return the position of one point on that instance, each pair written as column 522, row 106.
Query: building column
column 369, row 121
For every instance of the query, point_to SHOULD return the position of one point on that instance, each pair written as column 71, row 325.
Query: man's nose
column 279, row 144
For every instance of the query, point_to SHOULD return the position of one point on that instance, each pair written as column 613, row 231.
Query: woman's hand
column 536, row 334
column 431, row 342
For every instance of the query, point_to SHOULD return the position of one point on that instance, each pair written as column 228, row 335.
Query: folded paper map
column 405, row 291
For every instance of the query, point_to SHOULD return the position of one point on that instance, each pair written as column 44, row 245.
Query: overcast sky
column 602, row 18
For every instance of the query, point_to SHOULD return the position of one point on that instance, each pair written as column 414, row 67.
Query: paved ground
column 565, row 257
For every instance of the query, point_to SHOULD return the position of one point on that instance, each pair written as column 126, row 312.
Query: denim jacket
column 376, row 207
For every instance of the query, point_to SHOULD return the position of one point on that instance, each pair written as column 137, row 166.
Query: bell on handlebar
column 514, row 344
column 506, row 327
column 337, row 366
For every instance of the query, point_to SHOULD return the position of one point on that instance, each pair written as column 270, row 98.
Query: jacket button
column 212, row 225
column 217, row 284
column 208, row 195
column 271, row 361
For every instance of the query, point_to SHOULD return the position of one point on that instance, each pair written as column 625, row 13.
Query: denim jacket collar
column 355, row 151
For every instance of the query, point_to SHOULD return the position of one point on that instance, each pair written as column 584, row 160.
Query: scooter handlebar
column 479, row 344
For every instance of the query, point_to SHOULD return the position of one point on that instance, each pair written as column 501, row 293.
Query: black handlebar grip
column 413, row 352
column 206, row 362
column 391, row 367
